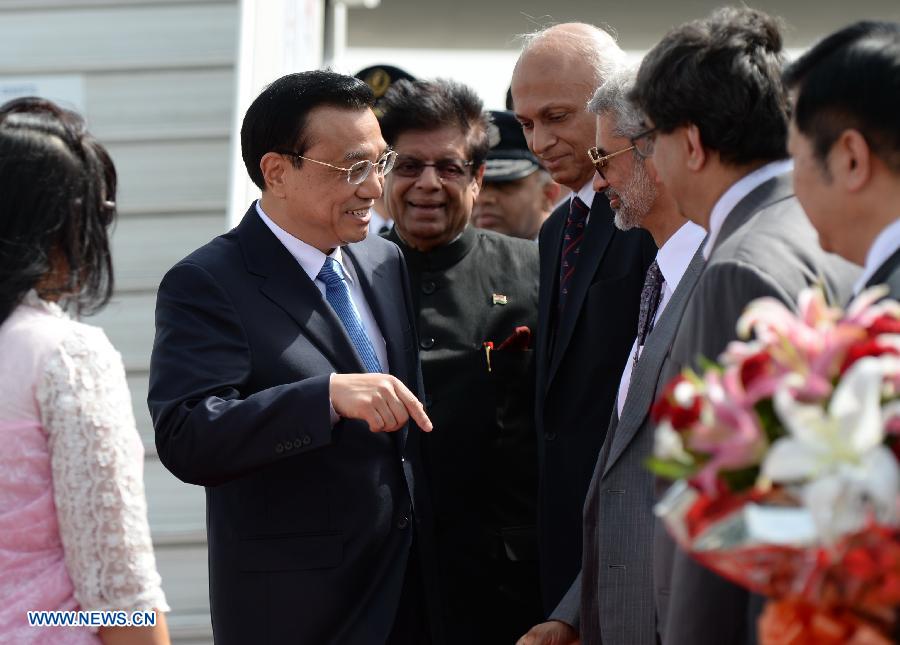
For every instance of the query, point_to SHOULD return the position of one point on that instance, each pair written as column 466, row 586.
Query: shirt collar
column 310, row 259
column 740, row 189
column 884, row 246
column 676, row 254
column 586, row 193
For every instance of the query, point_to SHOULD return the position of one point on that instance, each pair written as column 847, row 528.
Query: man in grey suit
column 845, row 141
column 611, row 600
column 712, row 94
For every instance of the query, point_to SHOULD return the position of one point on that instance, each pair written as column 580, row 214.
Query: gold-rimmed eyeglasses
column 358, row 172
column 601, row 162
column 644, row 141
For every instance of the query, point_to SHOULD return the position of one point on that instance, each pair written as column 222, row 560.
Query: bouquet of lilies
column 785, row 454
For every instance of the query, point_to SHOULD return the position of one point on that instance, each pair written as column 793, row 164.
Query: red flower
column 666, row 407
column 884, row 325
column 860, row 564
column 757, row 366
column 862, row 349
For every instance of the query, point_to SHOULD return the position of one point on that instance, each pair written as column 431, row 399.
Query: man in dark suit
column 517, row 195
column 283, row 378
column 591, row 279
column 845, row 141
column 475, row 301
column 611, row 601
column 717, row 117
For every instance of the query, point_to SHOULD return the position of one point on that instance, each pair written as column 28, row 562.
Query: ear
column 551, row 191
column 851, row 160
column 274, row 169
column 478, row 179
column 695, row 153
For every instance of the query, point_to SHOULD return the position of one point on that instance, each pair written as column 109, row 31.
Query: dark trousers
column 411, row 622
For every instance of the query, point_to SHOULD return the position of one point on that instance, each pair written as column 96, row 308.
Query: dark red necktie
column 578, row 212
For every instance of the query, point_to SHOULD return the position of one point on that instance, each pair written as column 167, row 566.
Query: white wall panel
column 128, row 322
column 185, row 580
column 144, row 248
column 176, row 510
column 137, row 384
column 154, row 104
column 171, row 176
column 118, row 38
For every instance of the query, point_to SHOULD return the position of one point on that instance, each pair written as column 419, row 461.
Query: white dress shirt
column 377, row 221
column 740, row 189
column 311, row 260
column 884, row 246
column 673, row 260
column 586, row 194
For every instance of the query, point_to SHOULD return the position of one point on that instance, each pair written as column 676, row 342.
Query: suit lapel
column 551, row 247
column 885, row 270
column 287, row 285
column 771, row 191
column 599, row 232
column 645, row 377
column 370, row 278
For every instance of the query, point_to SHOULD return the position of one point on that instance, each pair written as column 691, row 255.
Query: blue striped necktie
column 338, row 296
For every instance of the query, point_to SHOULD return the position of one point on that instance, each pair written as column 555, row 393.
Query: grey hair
column 601, row 49
column 612, row 97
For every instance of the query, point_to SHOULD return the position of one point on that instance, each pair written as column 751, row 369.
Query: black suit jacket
column 480, row 460
column 310, row 526
column 579, row 361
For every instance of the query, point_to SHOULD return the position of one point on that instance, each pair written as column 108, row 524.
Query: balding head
column 575, row 41
column 556, row 74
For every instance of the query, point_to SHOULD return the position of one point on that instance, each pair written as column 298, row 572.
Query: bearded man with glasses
column 475, row 302
column 284, row 378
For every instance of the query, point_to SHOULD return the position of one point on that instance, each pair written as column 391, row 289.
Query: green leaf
column 740, row 480
column 769, row 420
column 669, row 469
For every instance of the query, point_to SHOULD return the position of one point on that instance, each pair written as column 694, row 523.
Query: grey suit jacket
column 888, row 274
column 767, row 247
column 611, row 601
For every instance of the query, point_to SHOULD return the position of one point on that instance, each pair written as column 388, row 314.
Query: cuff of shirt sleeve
column 335, row 417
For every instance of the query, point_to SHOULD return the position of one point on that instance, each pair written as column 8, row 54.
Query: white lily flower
column 838, row 455
column 667, row 445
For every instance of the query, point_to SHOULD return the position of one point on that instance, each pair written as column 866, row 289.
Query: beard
column 635, row 200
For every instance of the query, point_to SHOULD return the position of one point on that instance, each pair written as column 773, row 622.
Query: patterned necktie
column 651, row 295
column 578, row 212
column 338, row 295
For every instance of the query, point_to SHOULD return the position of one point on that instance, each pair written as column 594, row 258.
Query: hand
column 380, row 400
column 553, row 632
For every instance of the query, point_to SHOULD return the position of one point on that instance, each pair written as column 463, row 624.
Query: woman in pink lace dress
column 73, row 517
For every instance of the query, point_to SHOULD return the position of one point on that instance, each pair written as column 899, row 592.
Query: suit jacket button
column 427, row 343
column 279, row 448
column 549, row 436
column 403, row 522
column 297, row 443
column 288, row 445
column 428, row 287
column 306, row 440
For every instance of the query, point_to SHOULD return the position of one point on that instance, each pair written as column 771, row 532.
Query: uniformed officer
column 475, row 293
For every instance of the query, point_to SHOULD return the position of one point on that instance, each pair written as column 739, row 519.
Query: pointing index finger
column 414, row 407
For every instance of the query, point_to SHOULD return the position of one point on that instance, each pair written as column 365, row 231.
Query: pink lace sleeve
column 97, row 467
